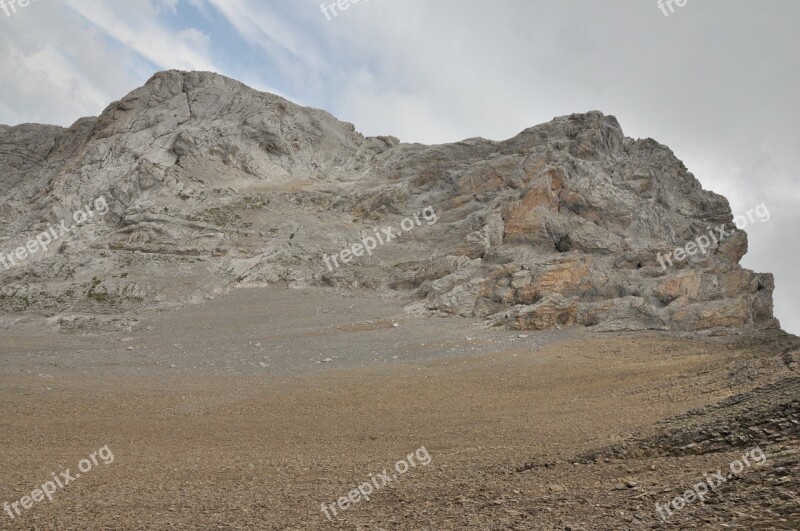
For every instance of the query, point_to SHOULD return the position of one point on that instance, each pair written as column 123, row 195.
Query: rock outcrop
column 212, row 185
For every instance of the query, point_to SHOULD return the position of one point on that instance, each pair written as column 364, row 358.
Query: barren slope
column 211, row 184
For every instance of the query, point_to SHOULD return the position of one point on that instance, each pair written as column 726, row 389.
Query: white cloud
column 137, row 27
column 716, row 81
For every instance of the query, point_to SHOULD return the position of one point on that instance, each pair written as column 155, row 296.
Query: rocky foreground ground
column 251, row 411
column 181, row 290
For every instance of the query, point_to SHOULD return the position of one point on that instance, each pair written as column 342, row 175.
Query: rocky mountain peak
column 212, row 185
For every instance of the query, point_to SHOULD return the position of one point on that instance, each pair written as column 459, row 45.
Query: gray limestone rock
column 211, row 185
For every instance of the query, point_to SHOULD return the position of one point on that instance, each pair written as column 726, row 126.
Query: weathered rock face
column 212, row 185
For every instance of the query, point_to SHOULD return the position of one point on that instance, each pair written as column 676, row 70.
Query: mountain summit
column 211, row 185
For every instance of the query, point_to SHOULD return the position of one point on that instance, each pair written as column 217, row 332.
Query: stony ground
column 250, row 411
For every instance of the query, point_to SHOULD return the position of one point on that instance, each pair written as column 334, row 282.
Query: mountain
column 195, row 184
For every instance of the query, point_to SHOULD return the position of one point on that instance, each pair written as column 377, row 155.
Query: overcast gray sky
column 716, row 80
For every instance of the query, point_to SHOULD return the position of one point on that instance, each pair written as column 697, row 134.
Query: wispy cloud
column 446, row 70
column 136, row 25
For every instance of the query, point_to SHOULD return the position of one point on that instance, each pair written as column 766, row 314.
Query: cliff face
column 209, row 184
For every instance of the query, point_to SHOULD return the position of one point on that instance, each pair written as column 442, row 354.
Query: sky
column 717, row 81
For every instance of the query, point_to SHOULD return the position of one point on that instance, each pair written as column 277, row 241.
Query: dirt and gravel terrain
column 222, row 310
column 253, row 410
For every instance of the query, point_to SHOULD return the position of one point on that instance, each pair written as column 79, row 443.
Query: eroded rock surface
column 213, row 185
